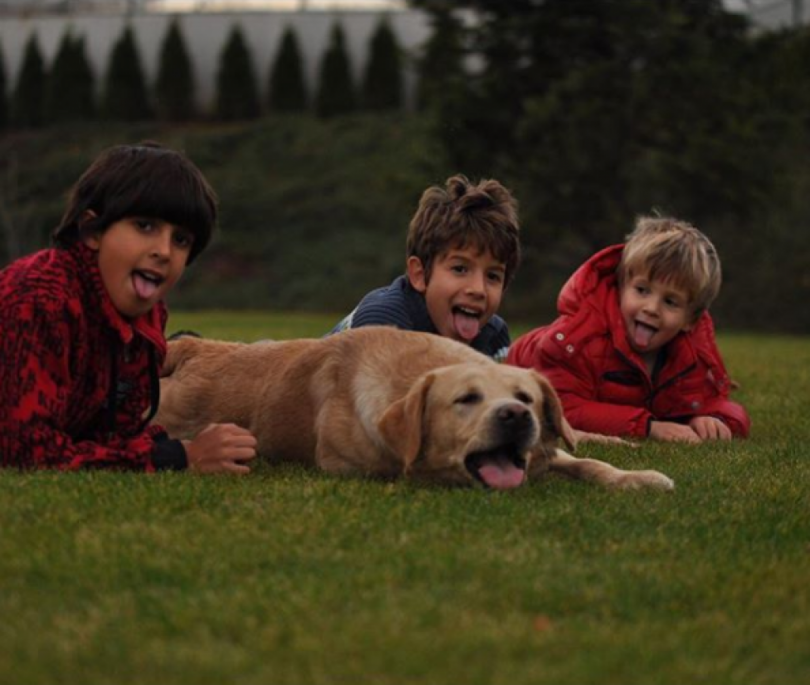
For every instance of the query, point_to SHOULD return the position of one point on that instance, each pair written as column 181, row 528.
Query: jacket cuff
column 169, row 455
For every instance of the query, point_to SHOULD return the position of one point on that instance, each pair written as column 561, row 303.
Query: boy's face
column 463, row 292
column 654, row 312
column 140, row 260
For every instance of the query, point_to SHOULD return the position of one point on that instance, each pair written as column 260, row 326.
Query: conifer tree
column 336, row 93
column 29, row 95
column 85, row 79
column 174, row 86
column 3, row 96
column 287, row 91
column 70, row 94
column 382, row 83
column 440, row 66
column 237, row 92
column 125, row 93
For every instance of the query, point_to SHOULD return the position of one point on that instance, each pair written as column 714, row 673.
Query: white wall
column 205, row 35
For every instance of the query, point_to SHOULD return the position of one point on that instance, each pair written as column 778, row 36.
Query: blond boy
column 633, row 351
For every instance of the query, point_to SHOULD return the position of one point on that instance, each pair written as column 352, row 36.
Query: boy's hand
column 710, row 428
column 221, row 447
column 669, row 431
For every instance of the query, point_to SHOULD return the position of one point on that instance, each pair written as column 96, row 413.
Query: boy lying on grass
column 633, row 351
column 463, row 249
column 83, row 323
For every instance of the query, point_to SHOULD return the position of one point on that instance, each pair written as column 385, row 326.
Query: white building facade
column 205, row 34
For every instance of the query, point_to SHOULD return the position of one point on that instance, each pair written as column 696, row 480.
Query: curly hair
column 482, row 215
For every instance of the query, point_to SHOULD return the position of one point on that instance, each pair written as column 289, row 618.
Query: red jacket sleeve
column 732, row 414
column 522, row 351
column 37, row 392
column 575, row 383
column 719, row 405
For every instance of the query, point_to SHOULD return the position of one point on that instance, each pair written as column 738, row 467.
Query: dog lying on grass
column 382, row 402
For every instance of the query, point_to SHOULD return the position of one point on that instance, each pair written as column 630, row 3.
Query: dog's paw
column 640, row 480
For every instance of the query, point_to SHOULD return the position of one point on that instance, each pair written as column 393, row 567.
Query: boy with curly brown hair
column 462, row 252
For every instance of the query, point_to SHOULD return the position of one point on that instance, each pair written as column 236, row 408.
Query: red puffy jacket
column 604, row 385
column 77, row 380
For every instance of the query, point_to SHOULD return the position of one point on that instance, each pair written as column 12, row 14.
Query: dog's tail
column 179, row 349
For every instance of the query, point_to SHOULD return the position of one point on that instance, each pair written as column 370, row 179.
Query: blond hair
column 675, row 252
column 462, row 214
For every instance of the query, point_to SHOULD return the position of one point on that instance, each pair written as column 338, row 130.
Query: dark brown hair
column 145, row 180
column 482, row 215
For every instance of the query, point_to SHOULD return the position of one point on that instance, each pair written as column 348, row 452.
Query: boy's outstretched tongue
column 642, row 334
column 143, row 286
column 467, row 326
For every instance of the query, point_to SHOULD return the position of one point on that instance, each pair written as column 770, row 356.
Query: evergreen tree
column 85, row 79
column 174, row 86
column 29, row 95
column 125, row 93
column 70, row 95
column 335, row 86
column 287, row 91
column 237, row 93
column 440, row 66
column 3, row 97
column 382, row 85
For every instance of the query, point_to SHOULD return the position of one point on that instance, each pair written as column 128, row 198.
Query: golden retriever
column 381, row 402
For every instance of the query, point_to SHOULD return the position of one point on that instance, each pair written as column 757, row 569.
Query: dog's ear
column 177, row 351
column 553, row 423
column 401, row 424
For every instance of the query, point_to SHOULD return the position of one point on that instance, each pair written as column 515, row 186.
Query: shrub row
column 314, row 213
column 65, row 90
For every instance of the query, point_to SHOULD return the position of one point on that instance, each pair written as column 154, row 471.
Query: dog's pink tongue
column 143, row 287
column 501, row 474
column 642, row 335
column 467, row 327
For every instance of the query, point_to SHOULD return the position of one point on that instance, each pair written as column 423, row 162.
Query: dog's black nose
column 513, row 416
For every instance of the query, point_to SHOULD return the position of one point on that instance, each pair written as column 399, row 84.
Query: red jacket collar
column 595, row 278
column 595, row 285
column 150, row 325
column 680, row 348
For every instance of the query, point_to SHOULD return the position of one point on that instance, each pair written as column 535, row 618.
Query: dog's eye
column 469, row 398
column 524, row 397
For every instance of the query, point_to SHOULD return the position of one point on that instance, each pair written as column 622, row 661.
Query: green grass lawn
column 289, row 576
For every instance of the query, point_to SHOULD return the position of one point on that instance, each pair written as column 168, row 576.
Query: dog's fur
column 382, row 402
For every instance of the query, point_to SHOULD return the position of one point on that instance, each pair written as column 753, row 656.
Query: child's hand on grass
column 710, row 428
column 220, row 448
column 669, row 431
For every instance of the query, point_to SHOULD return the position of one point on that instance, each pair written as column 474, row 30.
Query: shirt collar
column 149, row 325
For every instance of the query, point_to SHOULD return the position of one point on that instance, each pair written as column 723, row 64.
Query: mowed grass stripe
column 293, row 576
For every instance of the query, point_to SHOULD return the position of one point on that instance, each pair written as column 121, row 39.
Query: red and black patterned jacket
column 78, row 381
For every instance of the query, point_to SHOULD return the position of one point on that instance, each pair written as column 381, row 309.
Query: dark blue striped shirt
column 400, row 305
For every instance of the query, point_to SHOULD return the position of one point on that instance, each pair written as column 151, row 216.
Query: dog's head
column 475, row 423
